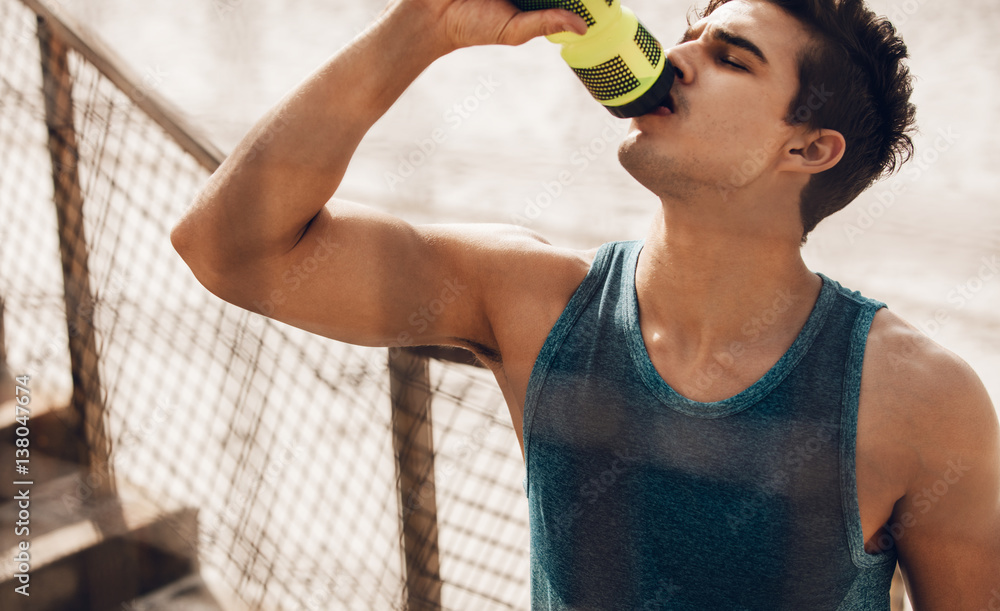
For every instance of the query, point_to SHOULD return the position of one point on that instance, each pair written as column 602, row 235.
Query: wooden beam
column 157, row 108
column 3, row 342
column 87, row 400
column 897, row 593
column 413, row 446
column 448, row 354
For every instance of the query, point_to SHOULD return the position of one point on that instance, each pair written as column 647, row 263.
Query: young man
column 706, row 423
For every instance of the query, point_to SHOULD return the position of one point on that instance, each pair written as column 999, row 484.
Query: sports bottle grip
column 576, row 6
column 619, row 62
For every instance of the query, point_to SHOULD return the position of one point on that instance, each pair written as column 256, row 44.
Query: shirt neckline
column 740, row 401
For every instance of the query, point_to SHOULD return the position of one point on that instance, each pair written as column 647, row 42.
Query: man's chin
column 651, row 168
column 641, row 161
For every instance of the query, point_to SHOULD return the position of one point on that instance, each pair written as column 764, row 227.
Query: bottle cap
column 651, row 99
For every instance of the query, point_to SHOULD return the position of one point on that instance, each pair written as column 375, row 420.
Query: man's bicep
column 365, row 277
column 948, row 525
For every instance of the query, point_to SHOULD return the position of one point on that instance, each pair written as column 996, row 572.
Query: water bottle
column 618, row 60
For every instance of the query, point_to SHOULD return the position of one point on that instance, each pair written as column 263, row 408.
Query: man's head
column 805, row 96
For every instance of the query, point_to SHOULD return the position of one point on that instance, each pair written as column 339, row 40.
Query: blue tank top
column 640, row 498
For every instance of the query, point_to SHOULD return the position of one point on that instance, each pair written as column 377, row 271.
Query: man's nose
column 682, row 67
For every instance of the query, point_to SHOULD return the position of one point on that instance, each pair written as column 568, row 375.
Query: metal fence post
column 413, row 446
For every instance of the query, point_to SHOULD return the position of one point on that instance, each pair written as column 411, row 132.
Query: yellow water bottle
column 618, row 60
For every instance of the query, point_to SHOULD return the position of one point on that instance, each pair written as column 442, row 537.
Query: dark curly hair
column 857, row 57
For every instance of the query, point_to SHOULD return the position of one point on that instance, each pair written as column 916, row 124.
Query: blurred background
column 283, row 442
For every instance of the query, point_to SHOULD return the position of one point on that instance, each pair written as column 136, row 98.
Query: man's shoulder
column 504, row 257
column 524, row 281
column 933, row 436
column 908, row 361
column 927, row 395
column 517, row 256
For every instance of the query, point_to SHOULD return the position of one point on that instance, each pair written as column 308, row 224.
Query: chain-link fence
column 287, row 443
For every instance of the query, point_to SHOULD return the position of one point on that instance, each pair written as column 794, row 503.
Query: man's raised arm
column 260, row 233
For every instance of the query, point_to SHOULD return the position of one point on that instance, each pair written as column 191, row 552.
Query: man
column 706, row 424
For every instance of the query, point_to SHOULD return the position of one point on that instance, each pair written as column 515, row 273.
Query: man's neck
column 703, row 286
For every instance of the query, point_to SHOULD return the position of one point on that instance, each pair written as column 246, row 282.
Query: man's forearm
column 291, row 162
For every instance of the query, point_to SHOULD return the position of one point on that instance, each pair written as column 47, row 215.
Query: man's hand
column 467, row 23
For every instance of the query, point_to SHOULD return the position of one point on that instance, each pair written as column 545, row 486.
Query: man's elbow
column 189, row 246
column 200, row 253
column 199, row 235
column 222, row 272
column 205, row 268
column 180, row 239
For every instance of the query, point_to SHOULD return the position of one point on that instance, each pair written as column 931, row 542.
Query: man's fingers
column 526, row 25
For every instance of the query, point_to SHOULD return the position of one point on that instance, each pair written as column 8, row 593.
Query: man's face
column 740, row 74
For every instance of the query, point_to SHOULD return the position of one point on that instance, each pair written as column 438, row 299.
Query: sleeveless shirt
column 640, row 498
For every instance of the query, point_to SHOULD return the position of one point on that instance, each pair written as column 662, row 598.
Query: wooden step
column 42, row 468
column 92, row 554
column 190, row 593
column 54, row 429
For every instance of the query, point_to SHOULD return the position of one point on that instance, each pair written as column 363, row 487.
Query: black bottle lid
column 651, row 99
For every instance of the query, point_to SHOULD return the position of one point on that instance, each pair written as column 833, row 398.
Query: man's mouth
column 666, row 107
column 668, row 102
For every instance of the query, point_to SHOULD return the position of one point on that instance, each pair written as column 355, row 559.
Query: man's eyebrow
column 727, row 37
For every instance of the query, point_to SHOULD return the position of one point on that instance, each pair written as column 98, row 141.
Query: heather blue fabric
column 640, row 498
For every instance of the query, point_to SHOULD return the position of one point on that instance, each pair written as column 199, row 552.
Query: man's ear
column 814, row 151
